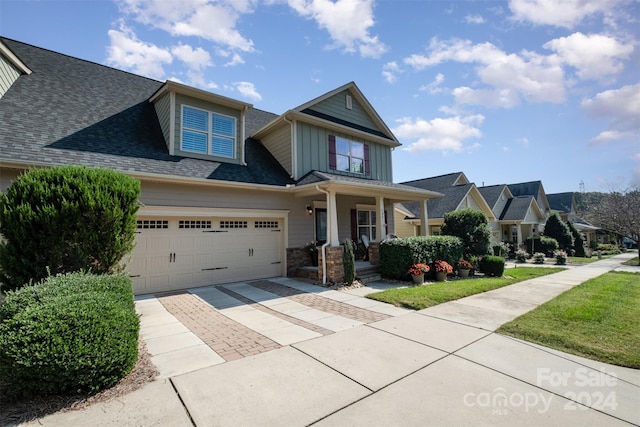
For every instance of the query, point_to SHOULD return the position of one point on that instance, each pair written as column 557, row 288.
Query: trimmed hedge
column 64, row 219
column 73, row 333
column 492, row 265
column 349, row 261
column 397, row 255
column 544, row 244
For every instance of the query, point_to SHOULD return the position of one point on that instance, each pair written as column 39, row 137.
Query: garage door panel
column 179, row 253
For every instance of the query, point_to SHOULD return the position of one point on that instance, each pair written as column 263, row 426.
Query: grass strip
column 420, row 297
column 598, row 319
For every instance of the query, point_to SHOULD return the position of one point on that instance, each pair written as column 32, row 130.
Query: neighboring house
column 229, row 192
column 458, row 193
column 518, row 217
column 535, row 189
column 565, row 205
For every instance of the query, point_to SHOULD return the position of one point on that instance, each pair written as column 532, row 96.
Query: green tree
column 66, row 219
column 618, row 212
column 558, row 230
column 578, row 240
column 349, row 261
column 472, row 227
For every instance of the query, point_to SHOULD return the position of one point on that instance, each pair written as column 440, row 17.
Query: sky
column 504, row 91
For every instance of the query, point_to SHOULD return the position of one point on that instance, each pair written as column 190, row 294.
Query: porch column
column 381, row 219
column 424, row 219
column 519, row 234
column 332, row 214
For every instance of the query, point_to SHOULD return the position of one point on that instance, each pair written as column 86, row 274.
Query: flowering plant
column 443, row 266
column 463, row 264
column 312, row 246
column 418, row 268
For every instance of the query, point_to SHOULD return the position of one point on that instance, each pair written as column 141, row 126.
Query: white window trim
column 210, row 133
column 371, row 227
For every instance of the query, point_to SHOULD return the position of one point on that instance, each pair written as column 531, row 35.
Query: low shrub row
column 70, row 333
column 397, row 255
column 492, row 265
column 546, row 245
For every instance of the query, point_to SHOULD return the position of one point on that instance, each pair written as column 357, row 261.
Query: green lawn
column 632, row 261
column 421, row 297
column 598, row 320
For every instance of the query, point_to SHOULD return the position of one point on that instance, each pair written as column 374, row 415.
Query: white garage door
column 180, row 253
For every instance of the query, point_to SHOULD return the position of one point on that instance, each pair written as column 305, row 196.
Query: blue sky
column 505, row 91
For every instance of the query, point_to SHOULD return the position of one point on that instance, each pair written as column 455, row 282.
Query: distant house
column 565, row 205
column 229, row 192
column 458, row 193
column 518, row 217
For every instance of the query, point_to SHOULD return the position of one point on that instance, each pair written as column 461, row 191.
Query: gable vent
column 348, row 102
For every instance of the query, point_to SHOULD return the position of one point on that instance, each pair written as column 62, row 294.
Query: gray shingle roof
column 317, row 176
column 516, row 208
column 435, row 183
column 491, row 193
column 71, row 111
column 560, row 201
column 436, row 208
column 525, row 188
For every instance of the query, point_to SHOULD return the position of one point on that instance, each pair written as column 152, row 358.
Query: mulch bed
column 15, row 411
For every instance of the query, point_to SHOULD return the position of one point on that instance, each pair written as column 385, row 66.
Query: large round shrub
column 69, row 334
column 65, row 219
column 471, row 226
column 558, row 230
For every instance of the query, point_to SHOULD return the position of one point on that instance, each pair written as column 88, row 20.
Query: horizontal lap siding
column 8, row 75
column 336, row 107
column 163, row 110
column 279, row 145
column 7, row 176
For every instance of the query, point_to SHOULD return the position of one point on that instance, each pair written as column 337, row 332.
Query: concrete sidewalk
column 440, row 366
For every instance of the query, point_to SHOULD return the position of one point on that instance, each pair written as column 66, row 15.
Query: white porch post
column 333, row 218
column 519, row 234
column 381, row 218
column 424, row 219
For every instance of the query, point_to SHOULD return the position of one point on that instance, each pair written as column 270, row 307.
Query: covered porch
column 345, row 207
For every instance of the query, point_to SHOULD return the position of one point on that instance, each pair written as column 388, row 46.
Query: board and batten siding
column 8, row 74
column 163, row 110
column 336, row 106
column 313, row 153
column 211, row 107
column 278, row 143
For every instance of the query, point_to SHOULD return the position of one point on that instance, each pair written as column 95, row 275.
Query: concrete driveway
column 284, row 353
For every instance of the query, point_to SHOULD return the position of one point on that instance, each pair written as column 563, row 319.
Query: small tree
column 578, row 240
column 66, row 219
column 558, row 230
column 349, row 262
column 471, row 226
column 619, row 212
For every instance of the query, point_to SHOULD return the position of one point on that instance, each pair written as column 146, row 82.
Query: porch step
column 368, row 277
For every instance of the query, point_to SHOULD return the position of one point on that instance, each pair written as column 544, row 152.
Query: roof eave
column 171, row 86
column 13, row 58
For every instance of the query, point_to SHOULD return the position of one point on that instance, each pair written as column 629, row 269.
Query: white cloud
column 347, row 21
column 559, row 13
column 390, row 70
column 235, row 60
column 248, row 90
column 129, row 53
column 211, row 20
column 510, row 77
column 434, row 86
column 474, row 19
column 195, row 59
column 595, row 56
column 439, row 134
column 621, row 107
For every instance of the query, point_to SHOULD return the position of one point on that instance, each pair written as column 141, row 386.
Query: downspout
column 324, row 247
column 294, row 149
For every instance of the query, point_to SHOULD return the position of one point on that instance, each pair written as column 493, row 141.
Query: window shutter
column 332, row 152
column 386, row 226
column 367, row 167
column 354, row 226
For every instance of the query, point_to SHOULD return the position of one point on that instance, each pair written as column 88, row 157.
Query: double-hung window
column 207, row 132
column 367, row 224
column 349, row 156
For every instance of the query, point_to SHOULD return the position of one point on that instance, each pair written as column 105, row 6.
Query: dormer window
column 207, row 132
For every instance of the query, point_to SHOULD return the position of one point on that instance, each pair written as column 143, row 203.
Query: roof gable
column 441, row 182
column 532, row 188
column 347, row 106
column 520, row 207
column 563, row 202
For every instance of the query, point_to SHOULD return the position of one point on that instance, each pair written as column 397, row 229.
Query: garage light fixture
column 309, row 210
